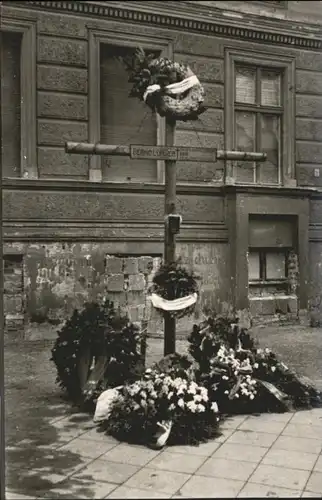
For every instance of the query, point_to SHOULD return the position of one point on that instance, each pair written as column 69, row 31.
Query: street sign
column 173, row 153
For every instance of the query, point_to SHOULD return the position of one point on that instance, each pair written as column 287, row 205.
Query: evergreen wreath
column 96, row 339
column 146, row 69
column 173, row 281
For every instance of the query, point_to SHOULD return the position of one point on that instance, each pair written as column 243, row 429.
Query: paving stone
column 314, row 483
column 171, row 461
column 252, row 490
column 233, row 422
column 97, row 435
column 272, row 417
column 309, row 494
column 303, row 431
column 126, row 492
column 229, row 469
column 318, row 465
column 86, row 447
column 130, row 454
column 208, row 487
column 298, row 444
column 311, row 417
column 61, row 464
column 111, row 472
column 241, row 452
column 203, row 449
column 76, row 488
column 261, row 425
column 290, row 458
column 157, row 480
column 280, row 476
column 225, row 434
column 252, row 438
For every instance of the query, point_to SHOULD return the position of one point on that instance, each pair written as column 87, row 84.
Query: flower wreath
column 168, row 87
column 96, row 348
column 174, row 290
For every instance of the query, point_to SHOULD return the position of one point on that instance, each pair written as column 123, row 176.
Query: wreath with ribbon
column 96, row 349
column 174, row 290
column 168, row 87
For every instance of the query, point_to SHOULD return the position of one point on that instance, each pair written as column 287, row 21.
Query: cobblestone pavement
column 55, row 452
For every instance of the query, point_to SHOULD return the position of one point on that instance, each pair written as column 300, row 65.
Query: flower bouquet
column 242, row 377
column 177, row 405
column 168, row 87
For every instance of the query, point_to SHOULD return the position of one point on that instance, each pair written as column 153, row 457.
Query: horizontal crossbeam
column 117, row 150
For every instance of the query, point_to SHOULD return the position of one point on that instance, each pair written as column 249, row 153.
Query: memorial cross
column 170, row 154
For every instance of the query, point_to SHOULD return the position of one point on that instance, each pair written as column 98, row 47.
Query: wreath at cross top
column 167, row 87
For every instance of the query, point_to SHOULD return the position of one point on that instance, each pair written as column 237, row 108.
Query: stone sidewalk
column 271, row 455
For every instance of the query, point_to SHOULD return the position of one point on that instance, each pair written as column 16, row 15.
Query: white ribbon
column 173, row 305
column 173, row 88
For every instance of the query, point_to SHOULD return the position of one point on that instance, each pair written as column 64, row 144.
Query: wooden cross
column 171, row 154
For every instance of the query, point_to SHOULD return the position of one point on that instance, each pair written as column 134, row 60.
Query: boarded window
column 124, row 120
column 258, row 118
column 10, row 104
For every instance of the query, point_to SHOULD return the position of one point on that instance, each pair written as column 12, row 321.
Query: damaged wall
column 61, row 277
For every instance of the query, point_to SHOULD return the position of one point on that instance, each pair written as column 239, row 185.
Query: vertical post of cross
column 169, row 237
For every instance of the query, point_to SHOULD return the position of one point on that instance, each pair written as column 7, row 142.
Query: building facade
column 79, row 227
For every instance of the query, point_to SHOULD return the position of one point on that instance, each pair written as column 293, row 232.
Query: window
column 123, row 120
column 259, row 116
column 10, row 104
column 115, row 118
column 267, row 266
column 18, row 98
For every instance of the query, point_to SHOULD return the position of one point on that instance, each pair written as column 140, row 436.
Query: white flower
column 170, row 394
column 273, row 368
column 251, row 396
column 143, row 394
column 192, row 406
column 226, row 392
column 136, row 407
column 205, row 397
column 172, row 407
column 256, row 365
column 214, row 407
column 181, row 403
column 143, row 403
column 224, row 377
column 197, row 398
column 237, row 395
column 191, row 390
column 267, row 351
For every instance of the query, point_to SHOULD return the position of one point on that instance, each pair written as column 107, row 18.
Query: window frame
column 271, row 61
column 263, row 280
column 96, row 38
column 28, row 109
